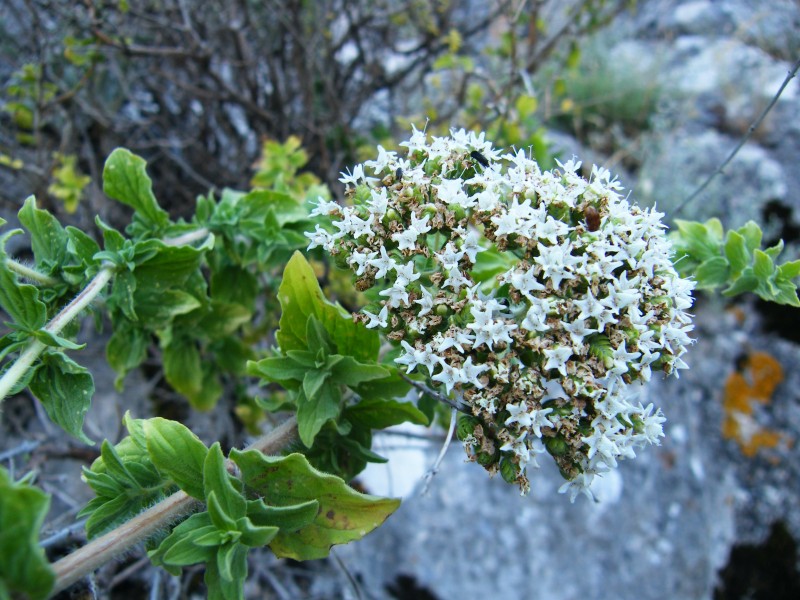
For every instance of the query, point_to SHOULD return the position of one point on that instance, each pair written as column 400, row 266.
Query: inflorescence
column 533, row 298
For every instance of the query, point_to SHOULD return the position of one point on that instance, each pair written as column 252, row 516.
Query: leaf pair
column 318, row 375
column 322, row 350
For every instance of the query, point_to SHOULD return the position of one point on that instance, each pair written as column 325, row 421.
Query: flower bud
column 466, row 426
column 486, row 459
column 556, row 446
column 508, row 470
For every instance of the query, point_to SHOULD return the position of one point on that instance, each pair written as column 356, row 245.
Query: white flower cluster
column 535, row 297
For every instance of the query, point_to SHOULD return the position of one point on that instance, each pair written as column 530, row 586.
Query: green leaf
column 253, row 535
column 316, row 336
column 737, row 253
column 221, row 520
column 313, row 381
column 789, row 270
column 23, row 565
column 712, row 272
column 314, row 412
column 348, row 371
column 106, row 513
column 700, row 240
column 182, row 367
column 279, row 369
column 763, row 267
column 122, row 295
column 208, row 395
column 774, row 251
column 48, row 238
column 20, row 300
column 177, row 453
column 746, row 282
column 180, row 547
column 380, row 414
column 344, row 514
column 65, row 389
column 216, row 480
column 300, row 297
column 230, row 586
column 752, row 234
column 225, row 557
column 786, row 293
column 127, row 348
column 56, row 341
column 115, row 467
column 125, row 179
column 234, row 284
column 287, row 518
column 491, row 263
column 392, row 386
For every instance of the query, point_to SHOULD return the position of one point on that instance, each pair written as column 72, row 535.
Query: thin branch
column 742, row 142
column 23, row 448
column 99, row 551
column 436, row 395
column 435, row 468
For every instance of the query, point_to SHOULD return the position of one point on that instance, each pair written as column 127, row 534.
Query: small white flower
column 397, row 295
column 426, row 302
column 384, row 264
column 557, row 358
column 324, row 208
column 384, row 160
column 379, row 320
column 320, row 237
column 447, row 376
column 360, row 259
column 353, row 178
column 470, row 373
column 451, row 192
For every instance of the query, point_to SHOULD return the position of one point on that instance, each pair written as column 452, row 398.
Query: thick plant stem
column 99, row 551
column 31, row 353
column 96, row 553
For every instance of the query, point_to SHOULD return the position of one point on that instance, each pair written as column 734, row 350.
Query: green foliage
column 327, row 360
column 23, row 565
column 343, row 514
column 734, row 260
column 68, row 182
column 278, row 167
column 280, row 502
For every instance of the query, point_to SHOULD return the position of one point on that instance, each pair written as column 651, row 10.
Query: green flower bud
column 485, row 459
column 466, row 426
column 508, row 470
column 556, row 446
column 340, row 260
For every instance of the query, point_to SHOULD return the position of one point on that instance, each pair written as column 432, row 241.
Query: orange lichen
column 754, row 383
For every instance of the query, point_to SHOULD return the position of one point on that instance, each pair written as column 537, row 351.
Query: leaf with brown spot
column 344, row 514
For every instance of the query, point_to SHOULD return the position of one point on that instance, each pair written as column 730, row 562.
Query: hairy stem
column 29, row 273
column 31, row 353
column 99, row 551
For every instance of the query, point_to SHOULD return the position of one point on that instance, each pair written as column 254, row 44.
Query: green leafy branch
column 280, row 502
column 734, row 260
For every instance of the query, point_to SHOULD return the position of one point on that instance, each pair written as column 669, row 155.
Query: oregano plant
column 527, row 304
